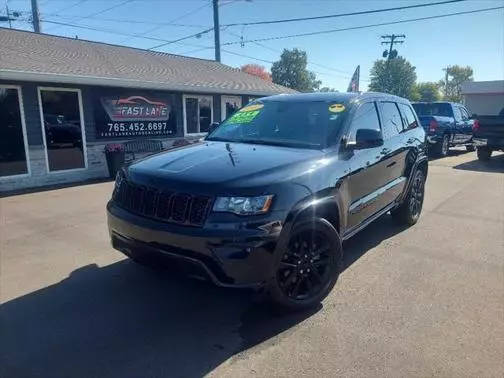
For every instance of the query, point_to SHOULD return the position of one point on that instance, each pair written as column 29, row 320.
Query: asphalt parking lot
column 423, row 301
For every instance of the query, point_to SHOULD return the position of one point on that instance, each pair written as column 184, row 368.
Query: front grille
column 167, row 206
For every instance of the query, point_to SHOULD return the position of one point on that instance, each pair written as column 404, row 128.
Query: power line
column 174, row 20
column 71, row 6
column 119, row 33
column 103, row 11
column 268, row 61
column 341, row 14
column 199, row 34
column 347, row 76
column 68, row 17
column 360, row 27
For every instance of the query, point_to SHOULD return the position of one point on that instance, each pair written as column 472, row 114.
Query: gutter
column 32, row 76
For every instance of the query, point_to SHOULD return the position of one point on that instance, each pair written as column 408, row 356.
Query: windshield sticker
column 243, row 117
column 336, row 108
column 251, row 108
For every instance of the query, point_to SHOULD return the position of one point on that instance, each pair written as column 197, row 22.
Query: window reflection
column 63, row 131
column 12, row 143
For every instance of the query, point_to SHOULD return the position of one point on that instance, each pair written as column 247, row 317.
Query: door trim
column 371, row 197
column 23, row 127
column 83, row 129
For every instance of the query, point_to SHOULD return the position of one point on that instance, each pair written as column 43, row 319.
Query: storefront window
column 62, row 128
column 198, row 114
column 13, row 159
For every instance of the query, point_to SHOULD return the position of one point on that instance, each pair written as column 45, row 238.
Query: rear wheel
column 441, row 148
column 308, row 268
column 484, row 153
column 409, row 211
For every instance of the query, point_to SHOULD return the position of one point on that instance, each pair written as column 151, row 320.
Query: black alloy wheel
column 308, row 267
column 409, row 210
column 305, row 267
column 417, row 194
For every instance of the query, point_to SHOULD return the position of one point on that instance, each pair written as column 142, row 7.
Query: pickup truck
column 488, row 134
column 447, row 124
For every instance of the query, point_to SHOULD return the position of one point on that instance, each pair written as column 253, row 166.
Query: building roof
column 40, row 57
column 483, row 87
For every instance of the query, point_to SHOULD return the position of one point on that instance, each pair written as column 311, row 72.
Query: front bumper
column 227, row 256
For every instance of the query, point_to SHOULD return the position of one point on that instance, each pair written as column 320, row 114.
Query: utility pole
column 446, row 81
column 390, row 40
column 8, row 14
column 35, row 16
column 216, row 29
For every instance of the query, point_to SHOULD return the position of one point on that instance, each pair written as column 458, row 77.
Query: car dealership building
column 63, row 100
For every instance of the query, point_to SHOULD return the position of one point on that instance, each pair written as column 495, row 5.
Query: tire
column 470, row 148
column 484, row 153
column 307, row 270
column 441, row 148
column 409, row 211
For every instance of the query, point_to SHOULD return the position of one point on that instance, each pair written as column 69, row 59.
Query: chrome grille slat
column 167, row 206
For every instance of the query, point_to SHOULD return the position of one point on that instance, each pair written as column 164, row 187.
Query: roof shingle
column 41, row 57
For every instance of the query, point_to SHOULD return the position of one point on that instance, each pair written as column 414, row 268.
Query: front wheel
column 308, row 268
column 409, row 211
column 470, row 148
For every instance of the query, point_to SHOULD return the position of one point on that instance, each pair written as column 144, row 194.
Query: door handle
column 391, row 164
column 385, row 151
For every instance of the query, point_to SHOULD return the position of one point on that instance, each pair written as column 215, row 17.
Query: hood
column 224, row 165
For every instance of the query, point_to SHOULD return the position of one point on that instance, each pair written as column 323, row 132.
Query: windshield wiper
column 278, row 143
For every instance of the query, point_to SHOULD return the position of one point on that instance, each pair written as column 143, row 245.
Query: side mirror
column 213, row 126
column 368, row 138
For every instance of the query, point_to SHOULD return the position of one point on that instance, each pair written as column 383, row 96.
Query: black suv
column 268, row 197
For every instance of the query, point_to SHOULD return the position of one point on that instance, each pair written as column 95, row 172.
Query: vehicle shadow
column 378, row 231
column 126, row 320
column 452, row 152
column 495, row 164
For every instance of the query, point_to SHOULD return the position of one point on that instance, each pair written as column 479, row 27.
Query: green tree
column 290, row 71
column 327, row 89
column 451, row 85
column 426, row 92
column 395, row 76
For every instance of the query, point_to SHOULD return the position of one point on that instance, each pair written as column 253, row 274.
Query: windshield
column 306, row 124
column 442, row 110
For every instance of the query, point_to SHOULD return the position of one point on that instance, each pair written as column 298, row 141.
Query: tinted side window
column 365, row 117
column 457, row 113
column 410, row 121
column 392, row 123
column 465, row 113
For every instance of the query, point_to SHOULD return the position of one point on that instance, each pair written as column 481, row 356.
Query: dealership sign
column 130, row 116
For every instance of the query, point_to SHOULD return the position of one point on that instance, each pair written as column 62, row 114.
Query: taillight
column 433, row 125
column 475, row 126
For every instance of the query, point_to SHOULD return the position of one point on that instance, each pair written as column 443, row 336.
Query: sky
column 476, row 40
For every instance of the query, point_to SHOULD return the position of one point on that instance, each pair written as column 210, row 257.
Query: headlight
column 243, row 205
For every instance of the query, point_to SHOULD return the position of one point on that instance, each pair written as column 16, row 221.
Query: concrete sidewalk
column 423, row 301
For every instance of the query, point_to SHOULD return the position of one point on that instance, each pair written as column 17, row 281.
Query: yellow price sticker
column 336, row 108
column 251, row 108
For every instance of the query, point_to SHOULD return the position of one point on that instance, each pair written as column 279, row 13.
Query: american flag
column 354, row 82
